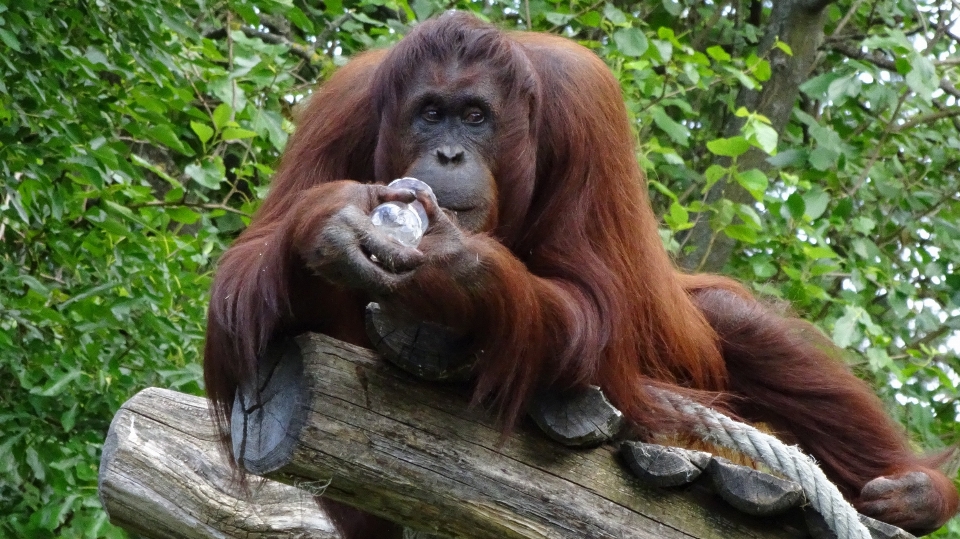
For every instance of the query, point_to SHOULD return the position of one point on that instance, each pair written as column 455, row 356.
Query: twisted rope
column 822, row 494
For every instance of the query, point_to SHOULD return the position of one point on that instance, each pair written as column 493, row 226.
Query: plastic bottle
column 403, row 222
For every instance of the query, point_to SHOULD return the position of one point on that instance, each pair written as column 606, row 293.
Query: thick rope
column 822, row 494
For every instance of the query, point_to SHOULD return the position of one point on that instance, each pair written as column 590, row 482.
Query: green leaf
column 923, row 78
column 789, row 158
column 863, row 225
column 849, row 86
column 672, row 7
column 815, row 202
column 755, row 182
column 749, row 216
column 690, row 70
column 823, row 158
column 664, row 49
column 817, row 252
column 182, row 214
column 236, row 133
column 269, row 124
column 10, row 40
column 36, row 466
column 763, row 269
column 247, row 12
column 663, row 189
column 713, row 174
column 879, row 360
column 816, row 87
column 96, row 56
column 762, row 136
column 678, row 218
column 165, row 135
column 902, row 65
column 559, row 19
column 208, row 174
column 203, row 131
column 846, row 330
column 728, row 147
column 742, row 233
column 717, row 53
column 57, row 385
column 298, row 18
column 360, row 16
column 221, row 115
column 614, row 15
column 784, row 47
column 759, row 67
column 69, row 418
column 865, row 248
column 591, row 19
column 676, row 131
column 796, row 206
column 746, row 80
column 631, row 41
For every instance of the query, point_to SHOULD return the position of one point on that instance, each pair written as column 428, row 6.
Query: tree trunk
column 799, row 24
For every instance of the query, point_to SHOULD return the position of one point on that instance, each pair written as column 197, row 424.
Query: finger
column 430, row 205
column 347, row 259
column 421, row 188
column 382, row 193
column 877, row 488
column 424, row 195
column 876, row 507
column 390, row 254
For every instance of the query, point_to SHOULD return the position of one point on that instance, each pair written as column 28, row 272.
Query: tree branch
column 885, row 63
column 201, row 205
column 308, row 54
column 927, row 118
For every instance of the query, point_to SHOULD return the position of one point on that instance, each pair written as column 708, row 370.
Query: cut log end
column 426, row 350
column 663, row 466
column 577, row 418
column 752, row 491
column 267, row 417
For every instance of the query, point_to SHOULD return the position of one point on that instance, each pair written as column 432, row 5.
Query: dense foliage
column 136, row 137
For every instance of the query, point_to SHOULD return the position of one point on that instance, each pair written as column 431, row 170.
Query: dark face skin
column 449, row 139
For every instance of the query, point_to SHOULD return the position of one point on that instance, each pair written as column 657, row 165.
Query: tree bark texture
column 418, row 454
column 162, row 476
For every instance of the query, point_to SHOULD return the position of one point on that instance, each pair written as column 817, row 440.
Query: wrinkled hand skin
column 343, row 246
column 910, row 500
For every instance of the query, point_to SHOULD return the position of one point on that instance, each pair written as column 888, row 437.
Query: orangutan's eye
column 473, row 116
column 431, row 114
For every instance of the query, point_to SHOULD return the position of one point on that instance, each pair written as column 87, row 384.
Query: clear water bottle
column 403, row 222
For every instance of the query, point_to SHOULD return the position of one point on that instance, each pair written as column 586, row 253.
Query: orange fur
column 574, row 286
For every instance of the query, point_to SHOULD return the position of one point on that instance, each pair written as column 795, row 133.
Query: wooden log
column 577, row 418
column 417, row 454
column 433, row 352
column 428, row 351
column 753, row 491
column 162, row 476
column 275, row 401
column 663, row 466
column 878, row 530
